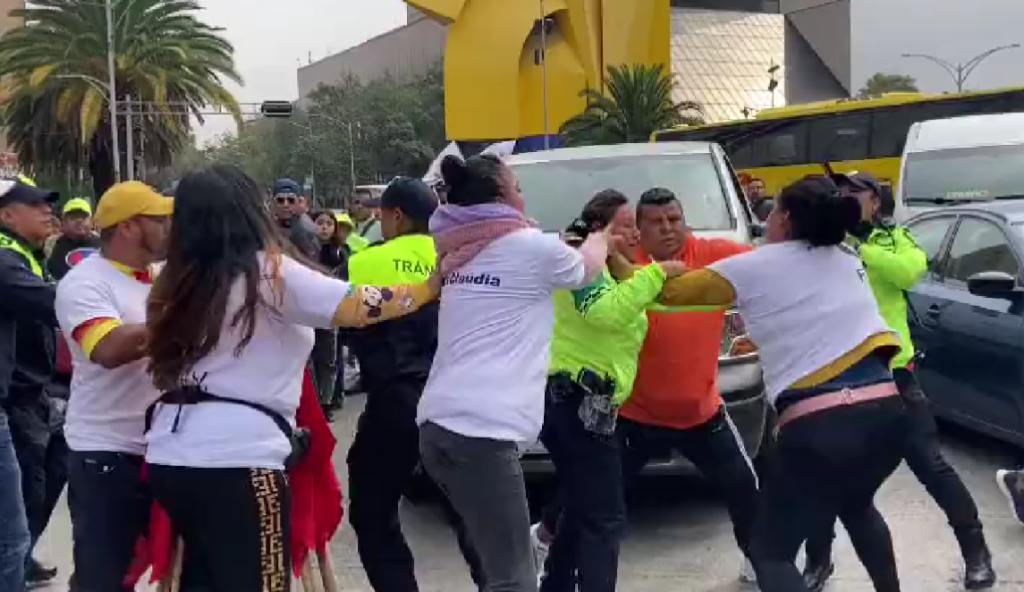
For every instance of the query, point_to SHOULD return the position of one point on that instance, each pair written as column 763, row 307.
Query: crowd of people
column 191, row 318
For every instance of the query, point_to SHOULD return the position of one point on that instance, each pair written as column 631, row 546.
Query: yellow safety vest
column 408, row 259
column 356, row 242
column 11, row 244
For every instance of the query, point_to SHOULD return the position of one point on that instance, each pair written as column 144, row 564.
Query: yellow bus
column 782, row 145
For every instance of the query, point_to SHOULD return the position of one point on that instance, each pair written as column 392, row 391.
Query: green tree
column 55, row 103
column 881, row 83
column 637, row 103
column 381, row 129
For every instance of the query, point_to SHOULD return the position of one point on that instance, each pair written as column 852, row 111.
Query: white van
column 961, row 159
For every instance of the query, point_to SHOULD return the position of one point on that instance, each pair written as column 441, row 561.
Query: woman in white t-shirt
column 825, row 350
column 485, row 394
column 231, row 321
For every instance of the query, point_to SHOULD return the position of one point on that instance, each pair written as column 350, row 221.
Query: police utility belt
column 195, row 395
column 593, row 393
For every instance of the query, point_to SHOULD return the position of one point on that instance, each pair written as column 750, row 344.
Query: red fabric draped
column 316, row 501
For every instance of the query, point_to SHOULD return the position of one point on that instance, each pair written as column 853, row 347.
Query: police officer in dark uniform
column 395, row 358
column 27, row 358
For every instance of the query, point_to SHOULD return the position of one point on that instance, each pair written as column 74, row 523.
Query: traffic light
column 277, row 108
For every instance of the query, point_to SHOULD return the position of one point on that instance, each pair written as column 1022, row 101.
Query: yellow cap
column 77, row 204
column 343, row 218
column 128, row 200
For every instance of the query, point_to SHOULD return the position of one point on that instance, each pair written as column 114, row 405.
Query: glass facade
column 721, row 59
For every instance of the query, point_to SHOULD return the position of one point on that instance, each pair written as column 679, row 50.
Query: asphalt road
column 680, row 538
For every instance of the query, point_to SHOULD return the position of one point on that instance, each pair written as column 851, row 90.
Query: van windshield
column 556, row 191
column 964, row 174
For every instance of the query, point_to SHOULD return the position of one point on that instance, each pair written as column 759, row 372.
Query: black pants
column 924, row 457
column 110, row 508
column 830, row 464
column 56, row 478
column 325, row 358
column 234, row 524
column 593, row 517
column 29, row 418
column 717, row 451
column 381, row 464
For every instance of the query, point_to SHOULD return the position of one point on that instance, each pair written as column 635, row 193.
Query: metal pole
column 112, row 91
column 130, row 133
column 544, row 69
column 351, row 158
column 312, row 167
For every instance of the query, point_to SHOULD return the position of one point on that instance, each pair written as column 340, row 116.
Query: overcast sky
column 956, row 31
column 271, row 39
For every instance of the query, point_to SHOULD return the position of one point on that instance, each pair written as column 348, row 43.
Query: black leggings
column 829, row 464
column 924, row 458
column 234, row 524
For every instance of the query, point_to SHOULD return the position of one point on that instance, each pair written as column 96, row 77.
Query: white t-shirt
column 804, row 307
column 494, row 337
column 267, row 371
column 107, row 408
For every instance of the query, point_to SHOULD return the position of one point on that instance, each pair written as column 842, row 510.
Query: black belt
column 194, row 395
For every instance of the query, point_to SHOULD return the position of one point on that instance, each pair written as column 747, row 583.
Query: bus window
column 784, row 144
column 839, row 138
column 889, row 129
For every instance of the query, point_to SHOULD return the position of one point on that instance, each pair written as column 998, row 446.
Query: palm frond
column 54, row 69
column 636, row 102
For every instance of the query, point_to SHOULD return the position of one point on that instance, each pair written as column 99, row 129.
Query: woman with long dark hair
column 826, row 352
column 230, row 319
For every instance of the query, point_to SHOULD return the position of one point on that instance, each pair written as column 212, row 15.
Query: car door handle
column 933, row 311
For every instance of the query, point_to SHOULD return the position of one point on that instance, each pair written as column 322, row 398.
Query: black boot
column 816, row 576
column 978, row 572
column 38, row 575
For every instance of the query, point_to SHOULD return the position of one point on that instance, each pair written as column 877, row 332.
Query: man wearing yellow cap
column 77, row 239
column 101, row 306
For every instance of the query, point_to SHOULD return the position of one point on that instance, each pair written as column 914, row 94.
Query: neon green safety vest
column 11, row 244
column 408, row 259
column 356, row 243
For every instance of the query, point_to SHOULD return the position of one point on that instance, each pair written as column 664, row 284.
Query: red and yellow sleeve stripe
column 90, row 333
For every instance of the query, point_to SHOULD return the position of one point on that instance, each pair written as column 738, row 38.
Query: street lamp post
column 544, row 70
column 960, row 72
column 112, row 90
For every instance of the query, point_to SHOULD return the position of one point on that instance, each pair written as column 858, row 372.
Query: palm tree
column 54, row 96
column 638, row 102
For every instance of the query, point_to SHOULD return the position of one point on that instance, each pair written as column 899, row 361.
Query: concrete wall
column 819, row 61
column 403, row 52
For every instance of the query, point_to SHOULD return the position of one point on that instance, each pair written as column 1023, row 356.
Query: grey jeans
column 484, row 482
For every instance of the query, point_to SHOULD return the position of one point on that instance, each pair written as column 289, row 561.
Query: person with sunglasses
column 290, row 209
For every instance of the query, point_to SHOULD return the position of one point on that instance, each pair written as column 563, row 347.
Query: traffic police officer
column 27, row 356
column 395, row 358
column 894, row 263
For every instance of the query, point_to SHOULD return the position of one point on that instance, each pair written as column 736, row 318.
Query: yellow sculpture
column 492, row 73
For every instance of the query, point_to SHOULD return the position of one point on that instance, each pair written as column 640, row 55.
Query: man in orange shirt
column 675, row 403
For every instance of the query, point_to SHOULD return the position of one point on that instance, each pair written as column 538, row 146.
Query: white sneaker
column 747, row 573
column 540, row 551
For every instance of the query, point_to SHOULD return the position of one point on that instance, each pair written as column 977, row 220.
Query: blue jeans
column 14, row 537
